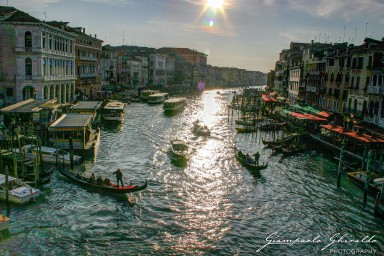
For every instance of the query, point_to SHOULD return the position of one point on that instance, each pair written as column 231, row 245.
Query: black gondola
column 249, row 163
column 112, row 188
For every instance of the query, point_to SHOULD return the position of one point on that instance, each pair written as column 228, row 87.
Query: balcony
column 312, row 89
column 88, row 58
column 28, row 49
column 374, row 90
column 87, row 75
column 28, row 77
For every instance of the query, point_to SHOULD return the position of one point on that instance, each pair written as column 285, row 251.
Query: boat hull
column 113, row 188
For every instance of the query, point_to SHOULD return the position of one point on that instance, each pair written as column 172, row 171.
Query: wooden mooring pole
column 340, row 163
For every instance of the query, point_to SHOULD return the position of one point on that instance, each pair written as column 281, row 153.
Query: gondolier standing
column 119, row 176
column 257, row 157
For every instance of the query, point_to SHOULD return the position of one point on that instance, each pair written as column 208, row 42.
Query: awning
column 352, row 134
column 307, row 116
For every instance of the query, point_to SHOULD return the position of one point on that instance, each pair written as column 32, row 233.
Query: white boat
column 49, row 154
column 157, row 98
column 4, row 222
column 114, row 111
column 174, row 104
column 19, row 192
column 201, row 129
column 180, row 149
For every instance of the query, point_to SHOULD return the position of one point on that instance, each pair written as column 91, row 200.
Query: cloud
column 297, row 34
column 32, row 5
column 111, row 2
column 344, row 8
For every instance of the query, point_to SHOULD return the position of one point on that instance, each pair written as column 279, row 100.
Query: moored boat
column 114, row 111
column 145, row 94
column 48, row 154
column 18, row 191
column 360, row 177
column 174, row 104
column 110, row 188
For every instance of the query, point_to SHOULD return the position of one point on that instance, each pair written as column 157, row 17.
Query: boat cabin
column 157, row 98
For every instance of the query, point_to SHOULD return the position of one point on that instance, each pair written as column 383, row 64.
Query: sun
column 216, row 4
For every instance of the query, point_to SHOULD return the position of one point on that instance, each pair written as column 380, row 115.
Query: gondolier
column 119, row 176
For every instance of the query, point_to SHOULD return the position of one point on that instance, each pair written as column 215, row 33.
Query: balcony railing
column 374, row 89
column 88, row 58
column 87, row 75
column 311, row 89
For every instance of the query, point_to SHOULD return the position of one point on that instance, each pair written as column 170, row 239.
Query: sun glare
column 216, row 4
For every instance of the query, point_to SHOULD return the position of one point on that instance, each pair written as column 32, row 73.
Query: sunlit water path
column 211, row 206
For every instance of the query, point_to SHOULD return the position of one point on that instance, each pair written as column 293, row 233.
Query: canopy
column 352, row 134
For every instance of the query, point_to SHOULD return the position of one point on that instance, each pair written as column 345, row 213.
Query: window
column 352, row 81
column 28, row 39
column 9, row 92
column 44, row 38
column 358, row 82
column 50, row 41
column 28, row 67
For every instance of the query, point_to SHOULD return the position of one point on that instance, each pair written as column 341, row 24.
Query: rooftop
column 29, row 106
column 74, row 121
column 87, row 105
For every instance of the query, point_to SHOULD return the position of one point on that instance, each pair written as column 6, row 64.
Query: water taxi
column 114, row 111
column 180, row 150
column 174, row 104
column 157, row 98
column 145, row 94
column 48, row 154
column 18, row 192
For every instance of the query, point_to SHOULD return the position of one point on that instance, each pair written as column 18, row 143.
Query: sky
column 247, row 34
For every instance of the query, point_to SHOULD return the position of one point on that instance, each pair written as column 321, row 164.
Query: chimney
column 95, row 36
column 84, row 30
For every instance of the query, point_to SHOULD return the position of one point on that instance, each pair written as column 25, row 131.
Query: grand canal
column 211, row 206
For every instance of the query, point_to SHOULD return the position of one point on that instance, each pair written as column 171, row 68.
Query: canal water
column 210, row 206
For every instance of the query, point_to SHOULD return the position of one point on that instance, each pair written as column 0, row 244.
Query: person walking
column 119, row 176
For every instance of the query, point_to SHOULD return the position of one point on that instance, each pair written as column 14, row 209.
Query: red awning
column 324, row 114
column 362, row 137
column 307, row 116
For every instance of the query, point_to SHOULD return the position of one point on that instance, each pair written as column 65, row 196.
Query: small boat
column 281, row 141
column 4, row 222
column 200, row 129
column 157, row 98
column 180, row 149
column 19, row 192
column 111, row 188
column 272, row 126
column 49, row 154
column 114, row 111
column 359, row 179
column 174, row 104
column 246, row 129
column 248, row 162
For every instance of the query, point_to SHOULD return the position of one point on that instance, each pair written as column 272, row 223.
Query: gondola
column 249, row 163
column 247, row 129
column 112, row 188
column 359, row 178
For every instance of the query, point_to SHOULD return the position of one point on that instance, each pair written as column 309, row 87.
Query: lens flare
column 201, row 86
column 211, row 23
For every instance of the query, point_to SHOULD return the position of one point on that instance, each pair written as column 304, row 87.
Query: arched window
column 380, row 80
column 365, row 110
column 374, row 80
column 376, row 108
column 28, row 67
column 355, row 106
column 28, row 39
column 371, row 106
column 349, row 104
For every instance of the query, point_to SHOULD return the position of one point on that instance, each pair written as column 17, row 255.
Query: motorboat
column 200, row 128
column 4, row 222
column 180, row 149
column 18, row 191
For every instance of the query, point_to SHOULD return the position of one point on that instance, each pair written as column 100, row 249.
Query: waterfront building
column 108, row 68
column 157, row 69
column 129, row 69
column 37, row 59
column 295, row 85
